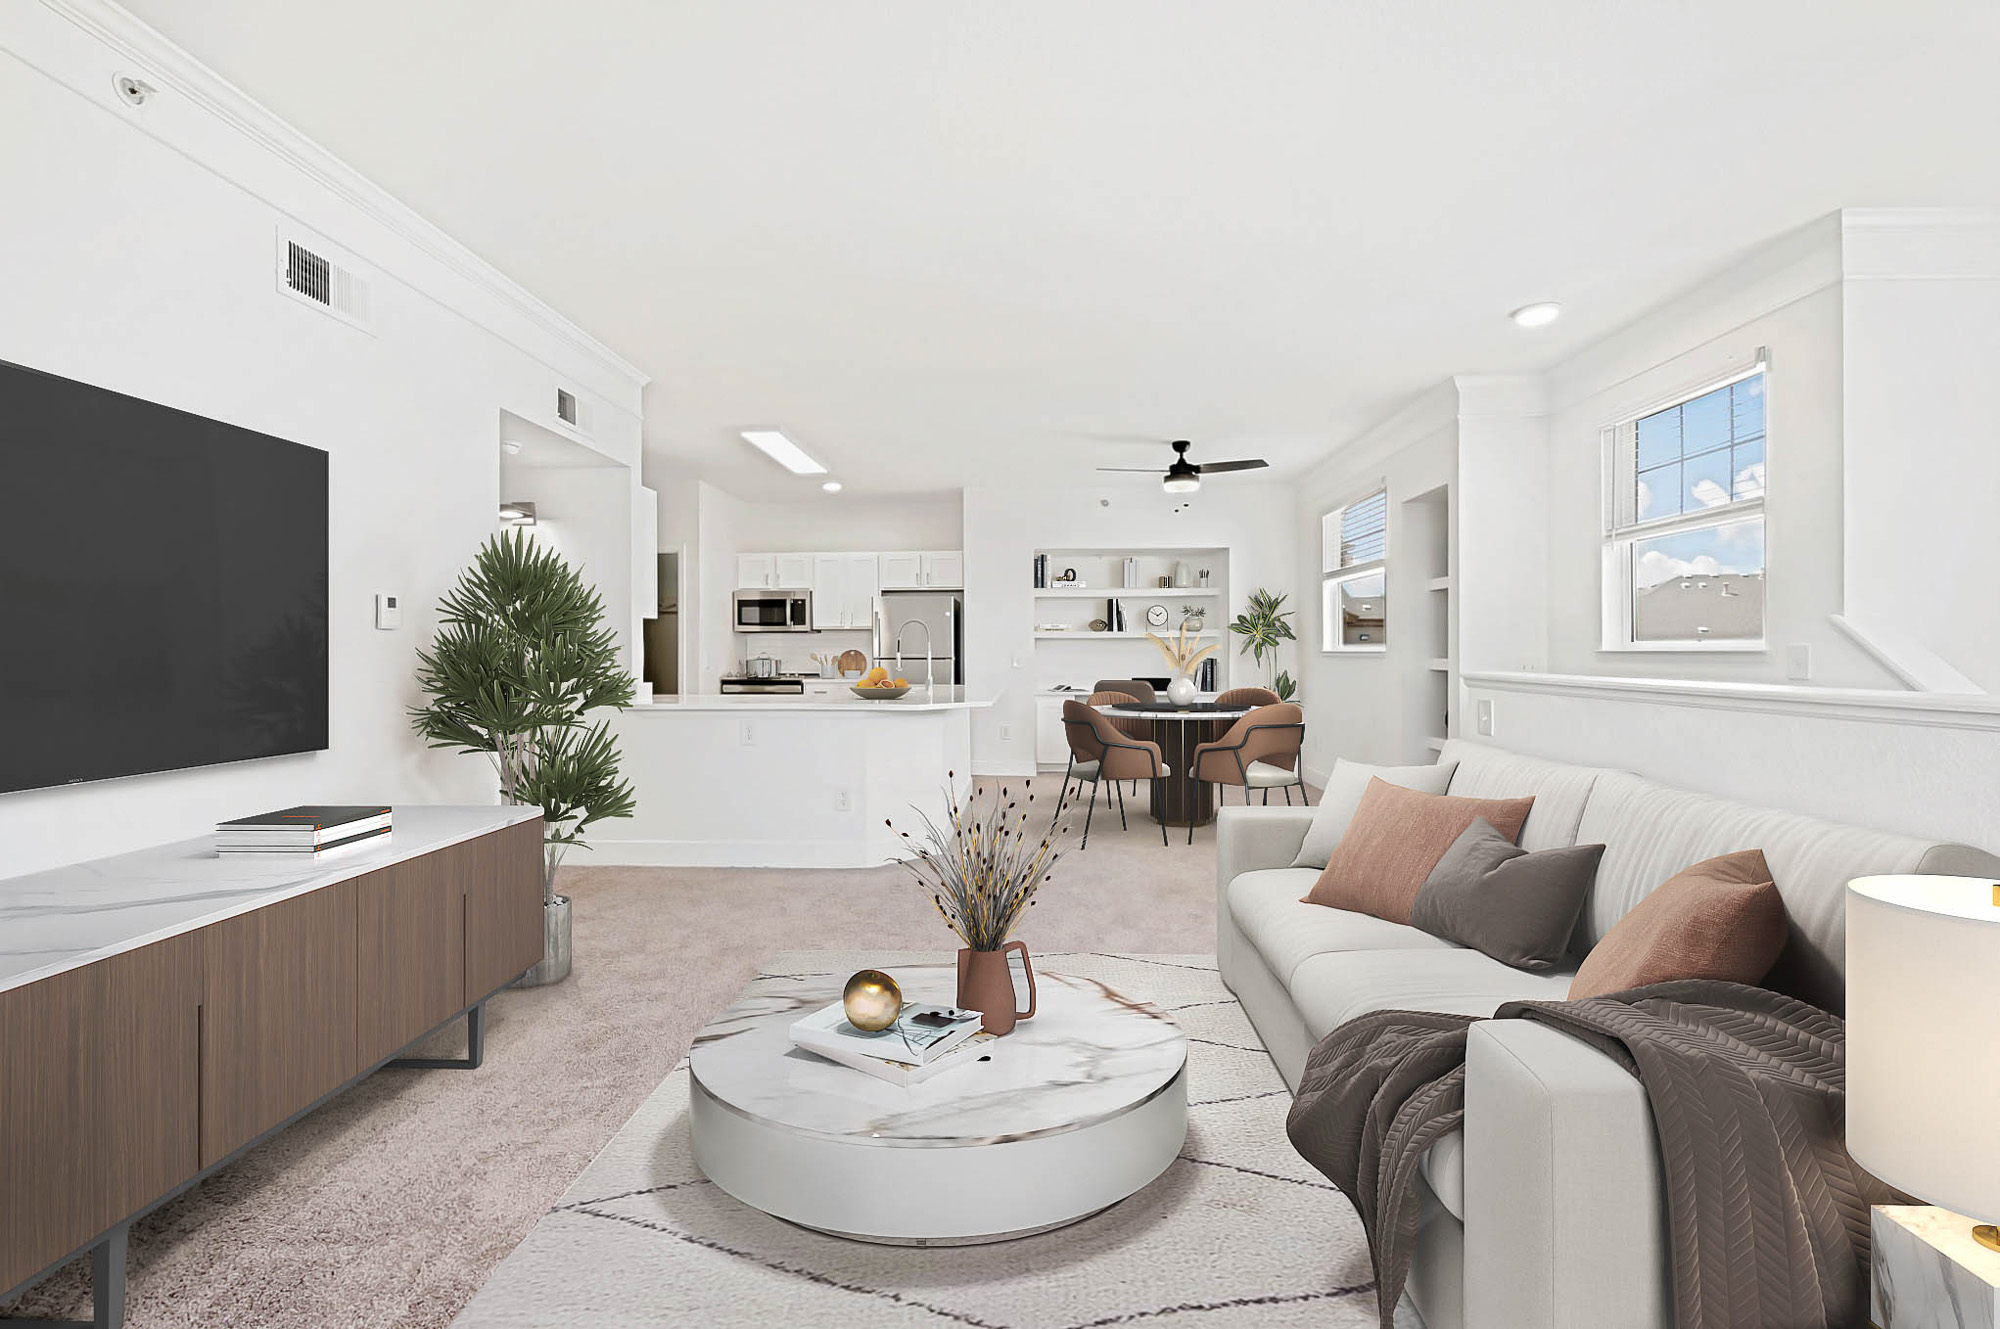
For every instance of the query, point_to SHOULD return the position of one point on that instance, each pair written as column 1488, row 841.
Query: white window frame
column 1620, row 473
column 1341, row 573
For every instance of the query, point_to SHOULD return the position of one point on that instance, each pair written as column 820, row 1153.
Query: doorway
column 663, row 633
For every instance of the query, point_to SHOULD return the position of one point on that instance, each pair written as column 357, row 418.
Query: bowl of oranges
column 876, row 685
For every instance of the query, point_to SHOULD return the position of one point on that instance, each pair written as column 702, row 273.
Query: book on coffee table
column 922, row 1038
column 965, row 1053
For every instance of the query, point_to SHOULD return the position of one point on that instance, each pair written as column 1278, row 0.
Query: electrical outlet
column 1006, row 733
column 1485, row 712
column 843, row 801
column 747, row 734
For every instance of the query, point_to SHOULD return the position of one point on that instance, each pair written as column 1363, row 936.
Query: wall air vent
column 572, row 412
column 308, row 274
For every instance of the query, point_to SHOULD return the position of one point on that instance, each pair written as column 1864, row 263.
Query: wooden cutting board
column 853, row 660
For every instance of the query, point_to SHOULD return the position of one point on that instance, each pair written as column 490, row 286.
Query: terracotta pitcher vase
column 986, row 985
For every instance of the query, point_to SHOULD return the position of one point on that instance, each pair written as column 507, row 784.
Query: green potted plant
column 1264, row 625
column 522, row 655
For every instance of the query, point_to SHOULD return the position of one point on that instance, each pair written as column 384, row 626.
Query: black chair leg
column 1288, row 795
column 1085, row 842
column 1119, row 790
column 1164, row 843
column 1267, row 796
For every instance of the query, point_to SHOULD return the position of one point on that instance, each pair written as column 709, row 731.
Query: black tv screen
column 163, row 587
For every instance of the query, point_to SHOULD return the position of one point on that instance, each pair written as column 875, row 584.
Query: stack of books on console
column 309, row 829
column 924, row 1041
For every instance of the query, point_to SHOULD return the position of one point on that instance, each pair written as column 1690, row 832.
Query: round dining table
column 1180, row 799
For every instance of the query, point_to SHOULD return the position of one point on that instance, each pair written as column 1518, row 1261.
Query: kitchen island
column 784, row 781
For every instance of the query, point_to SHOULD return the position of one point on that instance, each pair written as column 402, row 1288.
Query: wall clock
column 1156, row 616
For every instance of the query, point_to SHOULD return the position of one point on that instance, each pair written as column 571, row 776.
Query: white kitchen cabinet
column 931, row 569
column 795, row 571
column 844, row 587
column 900, row 571
column 944, row 569
column 1051, row 744
column 756, row 572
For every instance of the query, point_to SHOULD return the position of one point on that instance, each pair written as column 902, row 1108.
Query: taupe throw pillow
column 1494, row 896
column 1396, row 838
column 1722, row 918
column 1342, row 795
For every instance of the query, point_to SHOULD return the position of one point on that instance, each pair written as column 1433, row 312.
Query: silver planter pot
column 554, row 967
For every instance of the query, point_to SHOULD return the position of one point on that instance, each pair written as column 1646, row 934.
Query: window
column 1354, row 550
column 1684, row 522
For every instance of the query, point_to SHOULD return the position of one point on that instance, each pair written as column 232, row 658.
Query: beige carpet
column 393, row 1204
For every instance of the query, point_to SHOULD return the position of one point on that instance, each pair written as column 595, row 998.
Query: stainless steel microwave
column 773, row 611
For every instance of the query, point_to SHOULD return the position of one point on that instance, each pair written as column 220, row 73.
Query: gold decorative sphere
column 872, row 1000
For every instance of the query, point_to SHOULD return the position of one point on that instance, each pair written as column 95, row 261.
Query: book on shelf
column 304, row 848
column 1041, row 572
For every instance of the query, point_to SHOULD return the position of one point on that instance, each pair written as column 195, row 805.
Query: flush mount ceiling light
column 517, row 514
column 831, row 486
column 511, row 446
column 1537, row 315
column 1181, row 478
column 782, row 451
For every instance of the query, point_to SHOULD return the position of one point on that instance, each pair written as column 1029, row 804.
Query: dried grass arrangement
column 1181, row 654
column 983, row 866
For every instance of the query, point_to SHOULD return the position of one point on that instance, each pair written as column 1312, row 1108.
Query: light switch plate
column 1798, row 662
column 388, row 610
column 1485, row 712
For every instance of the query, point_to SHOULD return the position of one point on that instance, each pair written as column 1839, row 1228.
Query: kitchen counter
column 787, row 780
column 943, row 697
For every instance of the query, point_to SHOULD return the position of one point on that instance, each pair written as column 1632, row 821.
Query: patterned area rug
column 1239, row 1232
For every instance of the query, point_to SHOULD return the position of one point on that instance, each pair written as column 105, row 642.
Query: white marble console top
column 943, row 697
column 70, row 916
column 1090, row 1053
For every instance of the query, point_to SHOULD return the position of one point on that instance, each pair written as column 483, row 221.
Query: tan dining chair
column 1110, row 692
column 1260, row 751
column 1248, row 697
column 1099, row 751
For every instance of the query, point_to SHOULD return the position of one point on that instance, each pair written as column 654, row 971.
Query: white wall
column 1003, row 529
column 584, row 513
column 145, row 264
column 1921, row 324
column 836, row 522
column 1357, row 705
column 719, row 518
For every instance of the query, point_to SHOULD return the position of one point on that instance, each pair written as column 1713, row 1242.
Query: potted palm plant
column 1264, row 625
column 521, row 657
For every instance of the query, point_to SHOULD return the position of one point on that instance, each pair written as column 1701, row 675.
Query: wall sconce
column 517, row 514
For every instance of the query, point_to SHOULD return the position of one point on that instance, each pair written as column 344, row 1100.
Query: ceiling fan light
column 1176, row 483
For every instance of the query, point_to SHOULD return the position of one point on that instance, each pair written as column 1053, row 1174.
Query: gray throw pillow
column 1494, row 896
column 1342, row 795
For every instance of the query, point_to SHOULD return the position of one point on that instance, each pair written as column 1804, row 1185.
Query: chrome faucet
column 928, row 682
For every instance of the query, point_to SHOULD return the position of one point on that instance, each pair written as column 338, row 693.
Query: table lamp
column 1923, row 1076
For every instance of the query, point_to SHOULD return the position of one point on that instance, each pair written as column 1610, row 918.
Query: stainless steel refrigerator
column 928, row 627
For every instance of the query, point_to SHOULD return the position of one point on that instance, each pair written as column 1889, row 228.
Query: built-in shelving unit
column 1426, row 549
column 1078, row 657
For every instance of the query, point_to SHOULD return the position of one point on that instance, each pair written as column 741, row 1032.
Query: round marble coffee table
column 1069, row 1114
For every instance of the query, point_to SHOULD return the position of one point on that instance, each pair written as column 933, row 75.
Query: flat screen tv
column 163, row 587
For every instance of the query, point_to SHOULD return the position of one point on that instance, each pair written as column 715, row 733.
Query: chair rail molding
column 125, row 37
column 1976, row 711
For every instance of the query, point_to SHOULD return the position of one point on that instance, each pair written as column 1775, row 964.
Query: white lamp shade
column 1923, row 1038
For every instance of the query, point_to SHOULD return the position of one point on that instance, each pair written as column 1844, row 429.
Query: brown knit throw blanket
column 1767, row 1214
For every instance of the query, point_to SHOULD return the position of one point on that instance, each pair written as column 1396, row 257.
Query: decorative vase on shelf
column 1181, row 690
column 986, row 985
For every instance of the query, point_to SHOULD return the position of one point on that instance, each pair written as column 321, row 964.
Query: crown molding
column 119, row 30
column 1935, row 244
column 1870, row 705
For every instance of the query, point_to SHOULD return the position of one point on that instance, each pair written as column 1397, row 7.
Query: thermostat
column 388, row 611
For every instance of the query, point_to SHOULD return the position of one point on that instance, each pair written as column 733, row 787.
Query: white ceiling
column 938, row 240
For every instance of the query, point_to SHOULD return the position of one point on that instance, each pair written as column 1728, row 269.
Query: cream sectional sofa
column 1546, row 1211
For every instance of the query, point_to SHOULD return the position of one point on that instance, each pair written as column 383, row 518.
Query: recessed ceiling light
column 831, row 486
column 517, row 514
column 1538, row 315
column 511, row 446
column 782, row 451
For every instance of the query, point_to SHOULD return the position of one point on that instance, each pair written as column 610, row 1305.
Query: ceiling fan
column 1184, row 477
